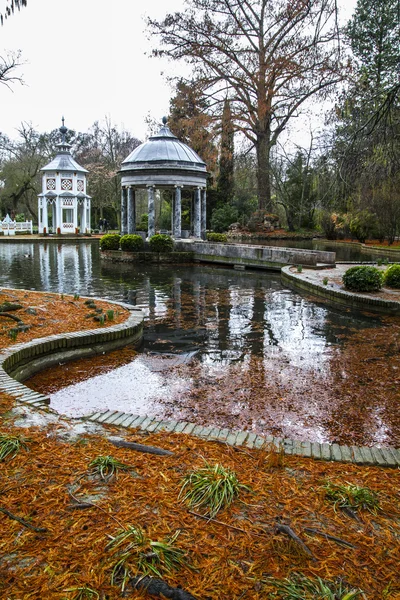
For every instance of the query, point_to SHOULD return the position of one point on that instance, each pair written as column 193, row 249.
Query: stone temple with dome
column 164, row 162
column 63, row 205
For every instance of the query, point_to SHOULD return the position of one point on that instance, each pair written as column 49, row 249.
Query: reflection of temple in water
column 225, row 316
column 63, row 262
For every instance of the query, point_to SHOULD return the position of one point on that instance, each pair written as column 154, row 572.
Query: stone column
column 131, row 210
column 177, row 230
column 45, row 222
column 197, row 214
column 58, row 214
column 123, row 211
column 83, row 216
column 40, row 225
column 54, row 217
column 150, row 203
column 88, row 223
column 75, row 214
column 203, row 213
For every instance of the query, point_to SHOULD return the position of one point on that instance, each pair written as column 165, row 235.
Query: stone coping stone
column 67, row 344
column 382, row 457
column 339, row 296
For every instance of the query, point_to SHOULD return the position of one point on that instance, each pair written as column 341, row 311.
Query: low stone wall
column 334, row 296
column 147, row 257
column 19, row 362
column 262, row 257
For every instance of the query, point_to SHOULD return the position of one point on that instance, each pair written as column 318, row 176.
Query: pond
column 227, row 348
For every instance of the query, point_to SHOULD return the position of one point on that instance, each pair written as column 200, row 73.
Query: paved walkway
column 383, row 457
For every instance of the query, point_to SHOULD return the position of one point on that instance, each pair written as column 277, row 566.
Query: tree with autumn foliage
column 270, row 56
column 191, row 122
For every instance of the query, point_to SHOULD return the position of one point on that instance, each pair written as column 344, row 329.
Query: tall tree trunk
column 263, row 149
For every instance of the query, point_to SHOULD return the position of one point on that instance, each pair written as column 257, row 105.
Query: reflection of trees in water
column 268, row 341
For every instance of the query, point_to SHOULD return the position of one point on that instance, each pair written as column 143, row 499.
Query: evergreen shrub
column 143, row 224
column 110, row 241
column 161, row 243
column 217, row 237
column 131, row 243
column 392, row 276
column 363, row 279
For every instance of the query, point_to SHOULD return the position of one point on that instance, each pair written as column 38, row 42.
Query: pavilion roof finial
column 165, row 120
column 63, row 131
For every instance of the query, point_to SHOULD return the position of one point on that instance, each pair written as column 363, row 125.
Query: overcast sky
column 87, row 59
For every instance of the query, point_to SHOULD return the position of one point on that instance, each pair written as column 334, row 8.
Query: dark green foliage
column 143, row 224
column 161, row 243
column 363, row 225
column 217, row 237
column 110, row 241
column 131, row 243
column 363, row 279
column 223, row 217
column 392, row 276
column 373, row 33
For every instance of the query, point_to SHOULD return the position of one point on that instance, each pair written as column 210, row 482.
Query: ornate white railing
column 10, row 227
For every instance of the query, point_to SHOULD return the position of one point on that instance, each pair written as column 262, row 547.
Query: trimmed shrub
column 363, row 279
column 131, row 243
column 217, row 237
column 110, row 241
column 392, row 276
column 143, row 224
column 161, row 243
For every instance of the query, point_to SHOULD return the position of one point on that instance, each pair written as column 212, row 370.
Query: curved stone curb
column 19, row 362
column 351, row 299
column 382, row 457
column 385, row 251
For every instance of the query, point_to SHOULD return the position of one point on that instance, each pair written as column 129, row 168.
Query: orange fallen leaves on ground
column 231, row 557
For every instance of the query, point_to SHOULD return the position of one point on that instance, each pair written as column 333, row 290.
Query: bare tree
column 269, row 56
column 8, row 66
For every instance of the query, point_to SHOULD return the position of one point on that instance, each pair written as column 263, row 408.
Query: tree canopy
column 269, row 56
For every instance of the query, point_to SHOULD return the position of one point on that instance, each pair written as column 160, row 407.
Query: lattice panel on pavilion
column 66, row 184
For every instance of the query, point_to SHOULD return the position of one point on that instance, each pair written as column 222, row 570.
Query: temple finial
column 63, row 131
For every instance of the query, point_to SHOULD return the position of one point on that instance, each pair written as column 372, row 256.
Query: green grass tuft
column 212, row 488
column 135, row 553
column 299, row 587
column 11, row 445
column 107, row 467
column 83, row 593
column 351, row 496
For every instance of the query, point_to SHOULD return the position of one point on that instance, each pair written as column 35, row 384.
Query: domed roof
column 164, row 147
column 164, row 161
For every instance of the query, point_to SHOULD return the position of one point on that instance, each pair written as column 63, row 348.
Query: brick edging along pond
column 383, row 457
column 22, row 360
column 19, row 362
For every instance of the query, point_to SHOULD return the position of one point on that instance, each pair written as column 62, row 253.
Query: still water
column 229, row 348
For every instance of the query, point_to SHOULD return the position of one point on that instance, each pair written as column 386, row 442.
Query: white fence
column 10, row 227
